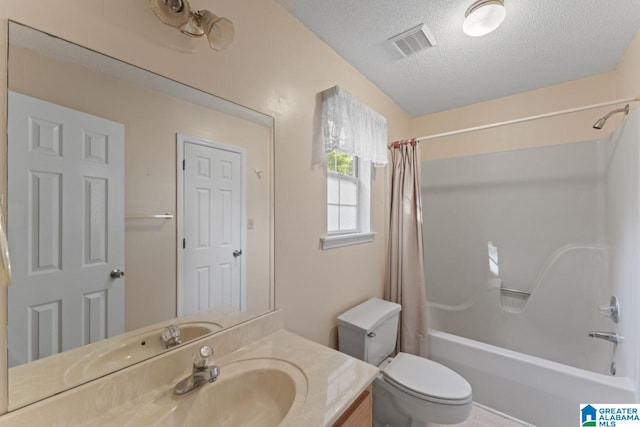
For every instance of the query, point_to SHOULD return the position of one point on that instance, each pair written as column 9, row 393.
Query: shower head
column 602, row 120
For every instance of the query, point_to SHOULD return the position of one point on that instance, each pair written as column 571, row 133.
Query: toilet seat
column 427, row 380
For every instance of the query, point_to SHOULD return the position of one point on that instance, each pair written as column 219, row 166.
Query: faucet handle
column 611, row 310
column 202, row 356
column 171, row 331
column 171, row 336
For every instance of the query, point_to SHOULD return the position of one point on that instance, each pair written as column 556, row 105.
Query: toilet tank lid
column 369, row 314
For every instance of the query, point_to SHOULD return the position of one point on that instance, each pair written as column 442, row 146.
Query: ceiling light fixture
column 483, row 17
column 178, row 14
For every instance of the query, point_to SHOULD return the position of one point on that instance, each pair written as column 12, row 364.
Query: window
column 355, row 138
column 348, row 201
column 342, row 193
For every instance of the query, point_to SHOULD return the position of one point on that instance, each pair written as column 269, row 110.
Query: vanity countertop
column 334, row 381
column 327, row 383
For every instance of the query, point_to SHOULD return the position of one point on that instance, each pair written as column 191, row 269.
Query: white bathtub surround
column 554, row 322
column 543, row 209
column 544, row 393
column 481, row 416
column 561, row 224
column 623, row 235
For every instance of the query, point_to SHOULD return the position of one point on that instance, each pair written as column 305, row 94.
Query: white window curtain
column 350, row 126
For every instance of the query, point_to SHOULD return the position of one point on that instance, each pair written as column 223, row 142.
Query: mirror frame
column 197, row 96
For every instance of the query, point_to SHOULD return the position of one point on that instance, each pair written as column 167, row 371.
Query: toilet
column 410, row 390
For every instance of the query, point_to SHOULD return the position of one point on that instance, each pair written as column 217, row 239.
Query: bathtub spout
column 609, row 336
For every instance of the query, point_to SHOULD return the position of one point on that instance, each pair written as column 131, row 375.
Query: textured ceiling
column 540, row 43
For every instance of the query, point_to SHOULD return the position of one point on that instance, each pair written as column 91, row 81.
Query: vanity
column 268, row 377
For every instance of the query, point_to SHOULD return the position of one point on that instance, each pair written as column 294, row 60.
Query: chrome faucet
column 202, row 373
column 608, row 336
column 171, row 336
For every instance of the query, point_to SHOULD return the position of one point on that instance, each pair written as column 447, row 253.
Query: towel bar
column 161, row 216
column 515, row 292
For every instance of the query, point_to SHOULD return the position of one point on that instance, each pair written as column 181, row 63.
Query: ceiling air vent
column 414, row 40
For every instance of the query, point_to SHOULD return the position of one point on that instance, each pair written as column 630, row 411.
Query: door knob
column 237, row 253
column 117, row 274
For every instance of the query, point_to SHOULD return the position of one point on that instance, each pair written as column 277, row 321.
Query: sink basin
column 248, row 393
column 119, row 353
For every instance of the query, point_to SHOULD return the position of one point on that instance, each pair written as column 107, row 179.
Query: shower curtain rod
column 514, row 121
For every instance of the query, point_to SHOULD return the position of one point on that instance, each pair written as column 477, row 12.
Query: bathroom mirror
column 134, row 203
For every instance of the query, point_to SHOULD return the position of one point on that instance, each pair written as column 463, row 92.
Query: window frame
column 362, row 234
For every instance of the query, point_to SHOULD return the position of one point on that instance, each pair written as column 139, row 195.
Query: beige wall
column 151, row 121
column 628, row 71
column 624, row 82
column 566, row 128
column 275, row 66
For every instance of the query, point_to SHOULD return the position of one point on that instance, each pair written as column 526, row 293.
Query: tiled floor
column 481, row 416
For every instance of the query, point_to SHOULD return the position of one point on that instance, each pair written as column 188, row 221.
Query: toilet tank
column 368, row 331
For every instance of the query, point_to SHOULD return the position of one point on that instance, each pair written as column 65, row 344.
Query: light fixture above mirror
column 178, row 14
column 483, row 17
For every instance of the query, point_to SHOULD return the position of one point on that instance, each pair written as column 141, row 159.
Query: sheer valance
column 350, row 126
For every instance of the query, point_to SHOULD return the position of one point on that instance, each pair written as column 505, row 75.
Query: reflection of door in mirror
column 65, row 227
column 212, row 210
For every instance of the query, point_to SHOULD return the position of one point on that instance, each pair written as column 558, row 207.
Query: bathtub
column 535, row 390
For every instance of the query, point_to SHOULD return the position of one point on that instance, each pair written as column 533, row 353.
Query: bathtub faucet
column 609, row 336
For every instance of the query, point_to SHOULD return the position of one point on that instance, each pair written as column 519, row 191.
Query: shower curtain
column 406, row 282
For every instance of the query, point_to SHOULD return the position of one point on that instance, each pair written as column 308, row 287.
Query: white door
column 65, row 227
column 212, row 209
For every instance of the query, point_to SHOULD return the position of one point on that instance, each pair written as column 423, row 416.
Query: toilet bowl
column 410, row 390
